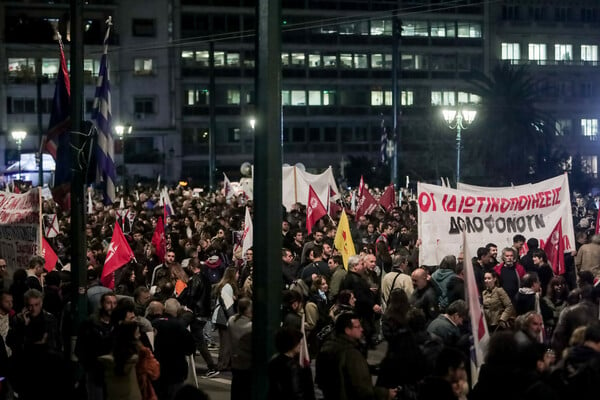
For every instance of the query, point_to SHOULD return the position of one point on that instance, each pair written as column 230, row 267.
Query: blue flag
column 102, row 120
column 56, row 142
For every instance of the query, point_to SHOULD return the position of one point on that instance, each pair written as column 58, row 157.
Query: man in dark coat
column 424, row 296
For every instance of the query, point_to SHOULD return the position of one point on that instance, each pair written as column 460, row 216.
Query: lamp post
column 122, row 131
column 458, row 120
column 19, row 136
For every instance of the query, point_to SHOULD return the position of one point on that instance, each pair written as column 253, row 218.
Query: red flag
column 159, row 241
column 366, row 204
column 555, row 249
column 49, row 255
column 388, row 198
column 314, row 209
column 361, row 186
column 598, row 222
column 334, row 208
column 119, row 253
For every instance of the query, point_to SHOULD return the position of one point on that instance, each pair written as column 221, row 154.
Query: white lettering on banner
column 494, row 216
column 19, row 227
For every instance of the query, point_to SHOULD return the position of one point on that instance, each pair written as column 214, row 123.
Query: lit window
column 512, row 52
column 381, row 27
column 202, row 57
column 142, row 66
column 285, row 97
column 563, row 127
column 414, row 28
column 442, row 29
column 563, row 52
column 469, row 30
column 314, row 97
column 285, row 59
column 589, row 128
column 50, row 67
column 468, row 98
column 233, row 59
column 354, row 28
column 328, row 97
column 233, row 96
column 360, row 61
column 377, row 97
column 196, row 97
column 407, row 98
column 187, row 54
column 314, row 60
column 298, row 59
column 413, row 62
column 219, row 58
column 537, row 53
column 589, row 164
column 346, row 60
column 329, row 61
column 440, row 98
column 298, row 98
column 381, row 61
column 589, row 52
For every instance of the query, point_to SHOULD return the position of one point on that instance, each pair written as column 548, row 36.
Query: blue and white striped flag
column 102, row 119
column 383, row 142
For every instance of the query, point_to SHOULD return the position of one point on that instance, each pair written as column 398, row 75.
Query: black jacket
column 172, row 344
column 198, row 295
column 288, row 380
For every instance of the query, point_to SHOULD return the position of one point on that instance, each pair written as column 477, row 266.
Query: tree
column 511, row 138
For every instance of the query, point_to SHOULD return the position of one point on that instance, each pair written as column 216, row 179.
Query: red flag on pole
column 388, row 198
column 314, row 209
column 119, row 253
column 555, row 249
column 366, row 204
column 49, row 255
column 159, row 241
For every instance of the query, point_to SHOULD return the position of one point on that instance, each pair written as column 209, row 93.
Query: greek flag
column 102, row 120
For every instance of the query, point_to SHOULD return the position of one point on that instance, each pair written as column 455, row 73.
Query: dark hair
column 286, row 339
column 541, row 254
column 502, row 350
column 592, row 332
column 482, row 252
column 495, row 275
column 585, row 277
column 344, row 296
column 557, row 280
column 397, row 307
column 458, row 307
column 125, row 345
column 448, row 357
column 532, row 243
column 344, row 321
column 53, row 278
column 518, row 238
column 291, row 296
column 490, row 245
column 448, row 262
column 35, row 261
column 243, row 305
column 317, row 251
column 338, row 259
column 529, row 279
column 124, row 306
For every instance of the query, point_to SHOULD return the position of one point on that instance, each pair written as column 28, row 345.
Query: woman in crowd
column 498, row 309
column 226, row 293
column 555, row 301
column 543, row 269
column 127, row 282
column 316, row 312
column 344, row 304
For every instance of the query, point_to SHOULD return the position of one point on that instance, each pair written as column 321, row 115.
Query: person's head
column 539, row 257
column 287, row 341
column 349, row 324
column 3, row 267
column 169, row 257
column 108, row 302
column 491, row 279
column 419, row 278
column 141, row 295
column 493, row 250
column 369, row 261
column 531, row 323
column 172, row 307
column 34, row 300
column 387, row 228
column 327, row 248
column 531, row 280
column 316, row 254
column 155, row 308
column 450, row 365
column 334, row 262
column 292, row 300
column 6, row 302
column 557, row 287
column 346, row 297
column 457, row 311
column 320, row 283
column 318, row 237
column 585, row 278
column 483, row 255
column 245, row 307
column 36, row 265
column 355, row 263
column 508, row 256
column 285, row 226
column 249, row 255
column 286, row 256
column 518, row 241
column 448, row 262
column 124, row 311
column 532, row 244
column 299, row 236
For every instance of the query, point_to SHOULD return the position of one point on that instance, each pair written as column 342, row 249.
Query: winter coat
column 588, row 258
column 497, row 306
column 120, row 387
column 147, row 370
column 342, row 372
column 444, row 329
column 510, row 276
column 441, row 277
column 288, row 380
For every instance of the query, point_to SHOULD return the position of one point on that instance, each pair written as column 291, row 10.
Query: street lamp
column 18, row 137
column 122, row 131
column 458, row 119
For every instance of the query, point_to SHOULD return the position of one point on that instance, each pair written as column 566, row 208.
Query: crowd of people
column 141, row 336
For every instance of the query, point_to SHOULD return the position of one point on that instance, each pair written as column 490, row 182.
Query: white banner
column 495, row 216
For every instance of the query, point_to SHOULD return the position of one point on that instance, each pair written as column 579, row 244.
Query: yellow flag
column 343, row 239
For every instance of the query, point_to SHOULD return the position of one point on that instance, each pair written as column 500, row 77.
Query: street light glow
column 458, row 120
column 18, row 136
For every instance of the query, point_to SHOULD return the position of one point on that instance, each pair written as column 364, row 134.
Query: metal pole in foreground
column 395, row 100
column 458, row 139
column 77, row 235
column 267, row 192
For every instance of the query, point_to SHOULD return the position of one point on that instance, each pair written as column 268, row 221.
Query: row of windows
column 546, row 13
column 26, row 105
column 409, row 61
column 537, row 52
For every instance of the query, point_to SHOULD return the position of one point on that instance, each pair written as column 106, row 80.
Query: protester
column 226, row 293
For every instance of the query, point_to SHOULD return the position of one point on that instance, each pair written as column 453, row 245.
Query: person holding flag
column 119, row 253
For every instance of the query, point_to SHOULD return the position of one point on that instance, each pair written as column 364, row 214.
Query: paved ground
column 218, row 388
